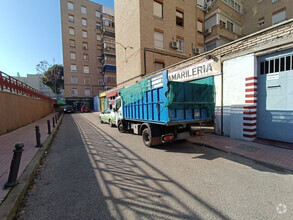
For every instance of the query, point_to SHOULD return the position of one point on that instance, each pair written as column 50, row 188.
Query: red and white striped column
column 249, row 110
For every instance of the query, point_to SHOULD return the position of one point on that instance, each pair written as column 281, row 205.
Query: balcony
column 110, row 51
column 217, row 31
column 107, row 39
column 110, row 62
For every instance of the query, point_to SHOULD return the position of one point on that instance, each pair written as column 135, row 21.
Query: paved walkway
column 271, row 155
column 27, row 136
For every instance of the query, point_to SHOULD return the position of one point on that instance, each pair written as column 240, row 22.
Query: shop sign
column 196, row 71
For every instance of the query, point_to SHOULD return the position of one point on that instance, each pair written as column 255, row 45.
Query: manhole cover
column 247, row 148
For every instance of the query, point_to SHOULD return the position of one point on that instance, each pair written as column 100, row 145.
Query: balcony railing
column 12, row 85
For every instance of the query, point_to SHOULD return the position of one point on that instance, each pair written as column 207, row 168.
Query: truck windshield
column 118, row 103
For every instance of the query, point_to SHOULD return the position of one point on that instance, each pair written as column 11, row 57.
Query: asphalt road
column 94, row 172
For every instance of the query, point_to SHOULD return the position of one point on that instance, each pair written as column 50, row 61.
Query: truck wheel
column 101, row 121
column 110, row 123
column 147, row 137
column 120, row 128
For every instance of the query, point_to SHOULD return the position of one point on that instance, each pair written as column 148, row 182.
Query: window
column 72, row 43
column 83, row 10
column 71, row 18
column 222, row 24
column 70, row 6
column 85, row 57
column 236, row 6
column 83, row 22
column 230, row 26
column 98, row 25
column 110, row 79
column 73, row 80
column 74, row 92
column 180, row 43
column 279, row 16
column 86, row 69
column 71, row 31
column 179, row 18
column 158, row 40
column 72, row 55
column 98, row 14
column 273, row 1
column 158, row 9
column 159, row 65
column 199, row 26
column 73, row 68
column 86, row 81
column 261, row 22
column 84, row 45
column 84, row 34
column 87, row 92
column 98, row 37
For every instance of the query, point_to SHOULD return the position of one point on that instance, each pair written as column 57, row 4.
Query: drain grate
column 247, row 148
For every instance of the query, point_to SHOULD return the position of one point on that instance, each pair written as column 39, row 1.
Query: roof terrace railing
column 12, row 85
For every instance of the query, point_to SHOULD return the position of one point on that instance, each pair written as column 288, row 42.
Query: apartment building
column 228, row 20
column 88, row 50
column 223, row 21
column 154, row 34
column 261, row 14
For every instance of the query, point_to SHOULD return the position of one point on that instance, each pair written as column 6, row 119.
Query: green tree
column 52, row 75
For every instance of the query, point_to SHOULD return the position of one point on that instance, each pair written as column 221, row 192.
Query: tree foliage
column 52, row 75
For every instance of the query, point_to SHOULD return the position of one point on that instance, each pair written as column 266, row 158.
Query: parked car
column 85, row 108
column 108, row 116
column 68, row 109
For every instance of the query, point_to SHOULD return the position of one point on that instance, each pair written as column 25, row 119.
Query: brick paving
column 265, row 153
column 27, row 136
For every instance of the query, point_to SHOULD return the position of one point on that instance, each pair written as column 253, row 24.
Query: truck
column 164, row 111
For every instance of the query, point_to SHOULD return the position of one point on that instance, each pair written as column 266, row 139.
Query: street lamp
column 125, row 48
column 123, row 45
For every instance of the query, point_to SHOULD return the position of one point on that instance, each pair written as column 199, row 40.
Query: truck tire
column 110, row 123
column 147, row 137
column 120, row 127
column 101, row 121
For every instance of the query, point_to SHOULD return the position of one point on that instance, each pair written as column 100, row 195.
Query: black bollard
column 56, row 119
column 38, row 136
column 49, row 127
column 14, row 167
column 53, row 119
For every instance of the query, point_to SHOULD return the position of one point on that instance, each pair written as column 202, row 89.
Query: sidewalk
column 271, row 155
column 27, row 136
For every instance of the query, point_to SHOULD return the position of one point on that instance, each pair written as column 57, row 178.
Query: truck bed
column 153, row 104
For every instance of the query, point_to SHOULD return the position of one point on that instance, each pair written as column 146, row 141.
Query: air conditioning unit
column 196, row 51
column 208, row 31
column 174, row 44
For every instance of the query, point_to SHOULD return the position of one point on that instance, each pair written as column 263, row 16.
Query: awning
column 112, row 94
column 103, row 94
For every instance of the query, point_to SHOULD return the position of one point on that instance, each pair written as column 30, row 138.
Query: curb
column 263, row 163
column 11, row 203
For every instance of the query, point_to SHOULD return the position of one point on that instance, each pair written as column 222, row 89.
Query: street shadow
column 66, row 186
column 133, row 187
column 207, row 153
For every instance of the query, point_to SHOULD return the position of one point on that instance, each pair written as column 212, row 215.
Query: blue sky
column 30, row 31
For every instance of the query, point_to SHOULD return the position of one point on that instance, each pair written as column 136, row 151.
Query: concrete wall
column 235, row 72
column 17, row 111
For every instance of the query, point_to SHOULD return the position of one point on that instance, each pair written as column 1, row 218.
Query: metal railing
column 12, row 85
